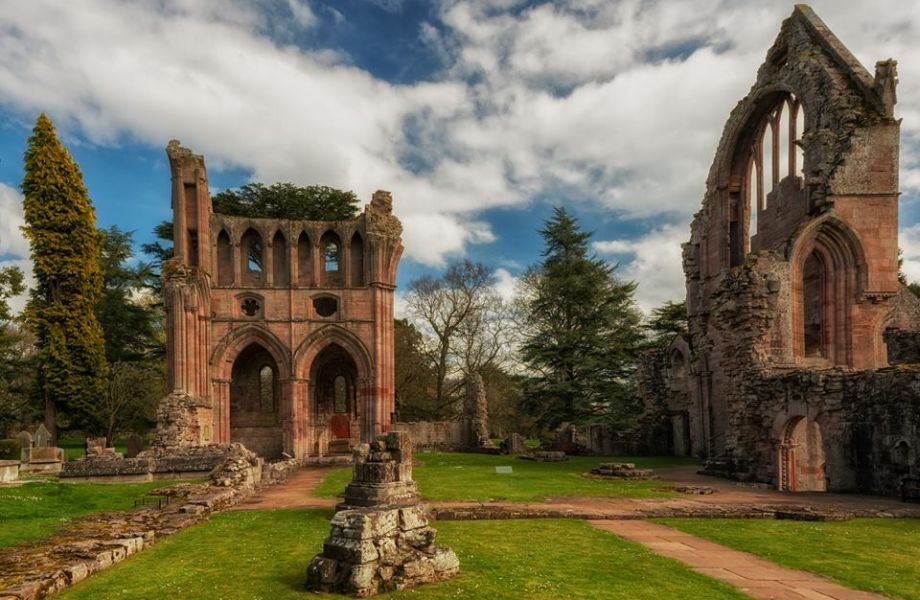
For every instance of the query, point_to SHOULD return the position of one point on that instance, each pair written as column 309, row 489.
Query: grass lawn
column 876, row 555
column 461, row 476
column 37, row 509
column 76, row 447
column 269, row 552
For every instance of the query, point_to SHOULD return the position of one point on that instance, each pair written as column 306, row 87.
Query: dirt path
column 297, row 492
column 752, row 575
column 730, row 500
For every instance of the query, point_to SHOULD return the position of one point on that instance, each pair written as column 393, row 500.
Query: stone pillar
column 221, row 391
column 237, row 264
column 268, row 264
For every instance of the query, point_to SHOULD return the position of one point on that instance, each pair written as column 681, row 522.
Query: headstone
column 95, row 446
column 503, row 470
column 42, row 437
column 514, row 444
column 25, row 444
column 136, row 445
column 380, row 538
column 9, row 471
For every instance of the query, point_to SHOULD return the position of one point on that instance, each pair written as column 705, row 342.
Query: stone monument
column 380, row 538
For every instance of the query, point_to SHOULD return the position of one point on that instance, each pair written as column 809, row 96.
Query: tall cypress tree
column 61, row 228
column 583, row 332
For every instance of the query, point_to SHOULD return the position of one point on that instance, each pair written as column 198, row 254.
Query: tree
column 666, row 322
column 287, row 201
column 582, row 333
column 134, row 390
column 413, row 373
column 458, row 311
column 16, row 368
column 131, row 324
column 60, row 226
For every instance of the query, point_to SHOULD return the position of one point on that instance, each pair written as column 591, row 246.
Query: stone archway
column 334, row 404
column 255, row 402
column 801, row 457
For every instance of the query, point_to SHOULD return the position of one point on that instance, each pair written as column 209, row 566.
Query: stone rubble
column 618, row 470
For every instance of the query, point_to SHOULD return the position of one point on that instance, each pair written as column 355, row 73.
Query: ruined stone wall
column 434, row 435
column 868, row 422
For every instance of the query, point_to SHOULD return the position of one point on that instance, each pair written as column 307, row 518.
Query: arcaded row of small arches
column 323, row 261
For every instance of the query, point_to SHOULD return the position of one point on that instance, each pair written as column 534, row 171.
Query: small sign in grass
column 503, row 470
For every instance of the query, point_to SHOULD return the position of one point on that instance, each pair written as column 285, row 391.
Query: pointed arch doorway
column 334, row 377
column 255, row 402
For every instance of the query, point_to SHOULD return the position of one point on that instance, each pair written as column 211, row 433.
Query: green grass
column 264, row 554
column 875, row 555
column 38, row 509
column 458, row 476
column 75, row 447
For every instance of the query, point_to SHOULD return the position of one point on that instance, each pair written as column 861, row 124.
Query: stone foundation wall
column 869, row 423
column 434, row 435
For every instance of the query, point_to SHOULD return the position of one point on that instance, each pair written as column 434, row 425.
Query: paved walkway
column 752, row 575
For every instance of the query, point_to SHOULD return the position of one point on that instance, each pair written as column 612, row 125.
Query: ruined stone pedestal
column 380, row 538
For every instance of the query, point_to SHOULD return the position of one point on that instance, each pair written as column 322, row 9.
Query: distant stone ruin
column 380, row 538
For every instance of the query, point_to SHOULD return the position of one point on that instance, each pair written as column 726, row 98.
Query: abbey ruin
column 798, row 321
column 279, row 332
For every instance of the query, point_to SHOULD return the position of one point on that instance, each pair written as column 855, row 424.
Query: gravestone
column 42, row 437
column 135, row 445
column 514, row 444
column 9, row 471
column 96, row 446
column 25, row 445
column 380, row 538
column 42, row 457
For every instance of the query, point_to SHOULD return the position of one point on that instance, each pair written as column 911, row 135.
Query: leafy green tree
column 414, row 374
column 666, row 322
column 131, row 323
column 133, row 392
column 16, row 349
column 582, row 333
column 287, row 201
column 65, row 245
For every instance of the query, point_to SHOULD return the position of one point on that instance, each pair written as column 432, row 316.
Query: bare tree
column 464, row 321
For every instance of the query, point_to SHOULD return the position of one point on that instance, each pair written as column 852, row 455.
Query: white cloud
column 654, row 262
column 505, row 284
column 14, row 248
column 621, row 103
column 440, row 236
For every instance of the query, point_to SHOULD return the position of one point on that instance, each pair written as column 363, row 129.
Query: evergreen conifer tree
column 60, row 226
column 582, row 332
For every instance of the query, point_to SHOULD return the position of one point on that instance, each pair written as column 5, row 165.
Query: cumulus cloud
column 654, row 261
column 14, row 248
column 618, row 103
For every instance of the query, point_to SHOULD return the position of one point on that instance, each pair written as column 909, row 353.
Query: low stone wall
column 38, row 569
column 434, row 435
column 150, row 465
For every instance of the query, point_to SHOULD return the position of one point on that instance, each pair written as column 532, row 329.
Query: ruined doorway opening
column 255, row 394
column 801, row 457
column 814, row 280
column 335, row 407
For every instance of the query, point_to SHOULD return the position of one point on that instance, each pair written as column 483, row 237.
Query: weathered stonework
column 380, row 538
column 279, row 332
column 795, row 307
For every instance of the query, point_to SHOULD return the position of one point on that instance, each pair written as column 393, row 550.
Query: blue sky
column 479, row 115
